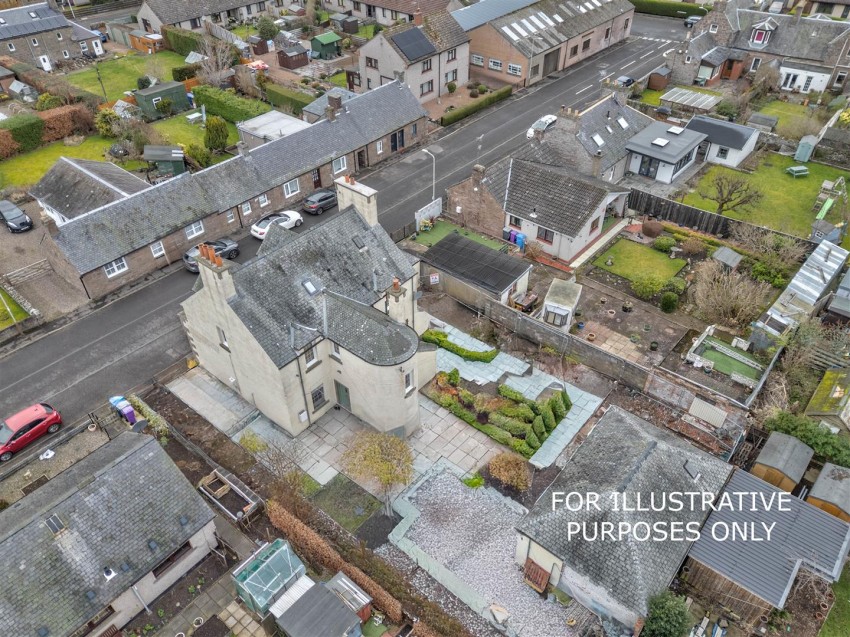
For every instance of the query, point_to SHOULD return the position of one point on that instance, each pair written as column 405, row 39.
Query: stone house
column 520, row 42
column 388, row 13
column 99, row 547
column 734, row 39
column 430, row 52
column 320, row 319
column 125, row 240
column 190, row 14
column 39, row 34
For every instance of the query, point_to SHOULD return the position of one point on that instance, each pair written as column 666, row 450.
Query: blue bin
column 513, row 236
column 520, row 241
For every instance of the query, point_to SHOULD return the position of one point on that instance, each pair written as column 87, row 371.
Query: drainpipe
column 300, row 375
column 139, row 597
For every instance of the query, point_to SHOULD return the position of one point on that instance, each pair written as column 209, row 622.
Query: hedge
column 282, row 96
column 181, row 41
column 465, row 111
column 441, row 339
column 522, row 448
column 558, row 409
column 668, row 8
column 512, row 426
column 27, row 131
column 565, row 398
column 228, row 105
column 46, row 83
column 519, row 412
column 549, row 421
column 185, row 72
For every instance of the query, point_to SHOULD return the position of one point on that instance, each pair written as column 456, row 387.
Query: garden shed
column 258, row 45
column 149, row 98
column 169, row 160
column 351, row 595
column 763, row 122
column 659, row 79
column 326, row 46
column 830, row 404
column 292, row 57
column 727, row 257
column 782, row 461
column 831, row 491
column 805, row 148
column 267, row 575
column 560, row 303
column 147, row 43
column 6, row 79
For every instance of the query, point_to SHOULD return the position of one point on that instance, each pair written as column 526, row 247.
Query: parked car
column 544, row 123
column 100, row 34
column 226, row 248
column 691, row 20
column 287, row 218
column 625, row 80
column 14, row 217
column 320, row 201
column 27, row 426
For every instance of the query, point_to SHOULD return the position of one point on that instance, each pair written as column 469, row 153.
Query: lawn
column 339, row 79
column 727, row 365
column 18, row 312
column 371, row 629
column 346, row 502
column 366, row 31
column 839, row 617
column 631, row 258
column 243, row 31
column 785, row 111
column 120, row 74
column 787, row 203
column 178, row 130
column 442, row 228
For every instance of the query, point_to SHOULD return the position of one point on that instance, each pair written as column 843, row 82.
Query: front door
column 648, row 167
column 317, row 179
column 370, row 11
column 361, row 160
column 397, row 140
column 45, row 63
column 342, row 395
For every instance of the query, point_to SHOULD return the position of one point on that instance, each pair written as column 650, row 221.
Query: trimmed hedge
column 558, row 409
column 465, row 111
column 228, row 105
column 519, row 412
column 538, row 428
column 26, row 130
column 513, row 427
column 282, row 96
column 667, row 8
column 511, row 394
column 522, row 448
column 181, row 41
column 47, row 83
column 441, row 339
column 565, row 398
column 185, row 72
column 549, row 421
column 532, row 440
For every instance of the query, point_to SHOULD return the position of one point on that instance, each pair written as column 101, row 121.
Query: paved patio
column 212, row 399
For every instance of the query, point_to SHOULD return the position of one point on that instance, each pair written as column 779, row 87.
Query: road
column 125, row 343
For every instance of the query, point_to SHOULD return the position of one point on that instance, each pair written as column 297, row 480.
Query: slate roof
column 831, row 395
column 427, row 7
column 440, row 29
column 328, row 258
column 833, row 486
column 127, row 225
column 74, row 187
column 173, row 11
column 317, row 106
column 4, row 72
column 786, row 454
column 79, row 32
column 794, row 37
column 317, row 612
column 475, row 263
column 804, row 537
column 722, row 132
column 111, row 504
column 19, row 22
column 625, row 454
column 677, row 146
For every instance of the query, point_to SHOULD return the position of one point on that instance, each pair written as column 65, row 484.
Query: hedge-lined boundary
column 47, row 83
column 667, row 8
column 465, row 111
column 228, row 105
column 27, row 131
column 181, row 41
column 441, row 339
column 282, row 96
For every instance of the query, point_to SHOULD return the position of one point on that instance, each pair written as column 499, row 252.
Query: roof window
column 660, row 141
column 675, row 130
column 311, row 289
column 598, row 139
column 623, row 123
column 33, row 15
column 55, row 524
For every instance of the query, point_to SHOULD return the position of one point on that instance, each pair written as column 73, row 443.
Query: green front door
column 342, row 395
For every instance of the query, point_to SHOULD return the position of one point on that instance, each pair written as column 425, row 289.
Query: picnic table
column 193, row 118
column 797, row 171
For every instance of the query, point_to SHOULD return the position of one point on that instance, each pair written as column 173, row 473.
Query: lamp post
column 433, row 173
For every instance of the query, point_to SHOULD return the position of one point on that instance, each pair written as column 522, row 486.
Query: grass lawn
column 366, row 31
column 787, row 203
column 632, row 258
column 652, row 97
column 178, row 130
column 338, row 79
column 785, row 111
column 371, row 629
column 120, row 75
column 346, row 502
column 243, row 31
column 442, row 228
column 18, row 312
column 726, row 364
column 839, row 617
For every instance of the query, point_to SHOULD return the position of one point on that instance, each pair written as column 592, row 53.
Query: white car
column 543, row 123
column 287, row 218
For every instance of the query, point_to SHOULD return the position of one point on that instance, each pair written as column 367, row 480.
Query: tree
column 645, row 285
column 727, row 297
column 731, row 191
column 382, row 458
column 668, row 616
column 215, row 135
column 199, row 156
column 218, row 58
column 266, row 29
column 767, row 245
column 106, row 123
column 154, row 67
column 765, row 81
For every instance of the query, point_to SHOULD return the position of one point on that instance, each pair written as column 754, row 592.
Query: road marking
column 627, row 65
column 647, row 54
column 584, row 89
column 606, row 77
column 667, row 52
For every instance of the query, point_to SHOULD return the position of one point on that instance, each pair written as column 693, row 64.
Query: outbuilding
column 326, row 45
column 830, row 404
column 560, row 303
column 831, row 491
column 782, row 461
column 726, row 143
column 292, row 57
column 148, row 99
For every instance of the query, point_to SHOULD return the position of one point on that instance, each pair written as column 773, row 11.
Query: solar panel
column 414, row 44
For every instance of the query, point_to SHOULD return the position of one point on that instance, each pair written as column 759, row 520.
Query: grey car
column 319, row 201
column 14, row 218
column 226, row 248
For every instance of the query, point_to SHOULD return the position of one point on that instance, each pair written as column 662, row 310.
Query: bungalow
column 190, row 14
column 831, row 491
column 726, row 143
column 830, row 404
column 783, row 461
column 661, row 151
column 388, row 13
column 100, row 548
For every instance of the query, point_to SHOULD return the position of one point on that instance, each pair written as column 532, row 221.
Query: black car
column 319, row 201
column 625, row 80
column 14, row 217
column 226, row 248
column 691, row 20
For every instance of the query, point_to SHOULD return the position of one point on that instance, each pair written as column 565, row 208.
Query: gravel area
column 478, row 547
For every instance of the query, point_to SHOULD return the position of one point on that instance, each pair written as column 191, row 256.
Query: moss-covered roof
column 832, row 393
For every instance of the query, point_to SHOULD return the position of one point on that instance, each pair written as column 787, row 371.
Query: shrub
column 451, row 87
column 668, row 8
column 538, row 428
column 454, row 377
column 728, row 109
column 669, row 302
column 565, row 398
column 519, row 412
column 511, row 470
column 521, row 447
column 676, row 284
column 65, row 120
column 143, row 82
column 532, row 440
column 266, row 29
column 49, row 83
column 227, row 105
column 651, row 229
column 664, row 244
column 826, row 445
column 46, row 101
column 763, row 272
column 200, row 155
column 473, row 93
column 499, row 435
column 482, row 88
column 26, row 130
column 465, row 111
column 182, row 41
column 215, row 134
column 557, row 406
column 549, row 421
column 156, row 422
column 645, row 285
column 280, row 96
column 510, row 393
column 693, row 247
column 441, row 339
column 185, row 72
column 466, row 397
column 164, row 106
column 475, row 481
column 105, row 122
column 511, row 425
column 8, row 145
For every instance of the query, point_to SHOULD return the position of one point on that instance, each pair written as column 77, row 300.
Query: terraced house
column 190, row 14
column 390, row 12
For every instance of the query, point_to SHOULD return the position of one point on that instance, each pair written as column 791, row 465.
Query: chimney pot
column 396, row 284
column 218, row 261
column 352, row 180
column 417, row 17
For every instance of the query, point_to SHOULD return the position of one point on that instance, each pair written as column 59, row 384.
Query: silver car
column 225, row 248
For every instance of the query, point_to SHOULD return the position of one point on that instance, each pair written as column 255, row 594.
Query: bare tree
column 154, row 67
column 732, row 191
column 727, row 297
column 382, row 458
column 774, row 397
column 771, row 248
column 218, row 58
column 283, row 460
column 766, row 81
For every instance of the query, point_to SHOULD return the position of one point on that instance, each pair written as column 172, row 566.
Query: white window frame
column 339, row 161
column 409, row 382
column 155, row 101
column 494, row 65
column 34, row 41
column 451, row 55
column 157, row 249
column 379, row 146
column 116, row 267
column 722, row 152
column 194, row 229
column 688, row 59
column 289, row 186
column 478, row 60
column 756, row 63
column 11, row 47
column 324, row 399
column 58, row 36
column 310, row 356
column 712, row 28
column 246, row 208
column 65, row 54
column 263, row 200
column 514, row 69
column 335, row 351
column 231, row 216
column 84, row 46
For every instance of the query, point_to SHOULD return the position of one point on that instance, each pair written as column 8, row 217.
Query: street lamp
column 433, row 173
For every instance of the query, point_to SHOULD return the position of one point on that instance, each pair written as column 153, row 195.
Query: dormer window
column 759, row 36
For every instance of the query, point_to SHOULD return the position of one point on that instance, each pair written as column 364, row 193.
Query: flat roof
column 665, row 142
column 272, row 125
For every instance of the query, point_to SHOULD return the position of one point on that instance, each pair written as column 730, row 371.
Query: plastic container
column 512, row 237
column 520, row 241
column 506, row 234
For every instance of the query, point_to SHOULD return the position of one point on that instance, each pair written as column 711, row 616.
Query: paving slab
column 217, row 403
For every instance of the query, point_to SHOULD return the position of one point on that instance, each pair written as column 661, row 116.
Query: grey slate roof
column 4, row 72
column 73, row 187
column 127, row 225
column 327, row 257
column 786, row 454
column 625, row 454
column 797, row 38
column 440, row 29
column 173, row 11
column 833, row 486
column 722, row 132
column 317, row 106
column 475, row 263
column 19, row 22
column 767, row 121
column 803, row 537
column 318, row 612
column 677, row 145
column 111, row 503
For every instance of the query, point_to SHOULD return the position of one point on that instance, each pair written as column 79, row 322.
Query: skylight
column 2, row 20
column 609, row 129
column 33, row 15
column 675, row 130
column 311, row 289
column 660, row 141
column 623, row 123
column 55, row 524
column 599, row 141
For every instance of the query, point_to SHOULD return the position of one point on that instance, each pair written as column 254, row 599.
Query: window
column 684, row 161
column 722, row 153
column 171, row 560
column 574, row 51
column 474, row 59
column 222, row 338
column 379, row 146
column 246, row 208
column 545, row 235
column 291, row 188
column 451, row 76
column 535, row 70
column 216, row 17
column 84, row 46
column 607, row 33
column 195, row 23
column 11, row 46
column 495, row 65
column 408, row 382
column 335, row 351
column 263, row 200
column 231, row 216
column 808, row 83
column 35, row 42
column 248, row 9
column 94, row 622
column 371, row 63
column 594, row 225
column 339, row 164
column 356, row 6
column 393, row 14
column 759, row 37
column 194, row 229
column 310, row 356
column 369, row 83
column 156, row 101
column 157, row 249
column 65, row 54
column 514, row 69
column 687, row 59
column 413, row 129
column 383, row 12
column 318, row 397
column 839, row 79
column 555, row 318
column 426, row 65
column 712, row 28
column 626, row 25
column 585, row 45
column 845, row 12
column 114, row 268
column 426, row 87
column 58, row 36
column 515, row 221
column 451, row 55
column 261, row 6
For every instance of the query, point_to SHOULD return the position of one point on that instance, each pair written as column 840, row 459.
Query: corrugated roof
column 803, row 537
column 727, row 256
column 786, row 454
column 692, row 99
column 475, row 15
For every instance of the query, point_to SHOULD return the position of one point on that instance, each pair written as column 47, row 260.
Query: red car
column 20, row 430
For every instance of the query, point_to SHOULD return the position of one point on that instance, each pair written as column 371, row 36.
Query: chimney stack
column 417, row 17
column 330, row 113
column 538, row 134
column 477, row 175
column 362, row 197
column 334, row 101
column 597, row 164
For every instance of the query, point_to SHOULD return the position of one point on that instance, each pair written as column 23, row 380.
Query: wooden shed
column 782, row 461
column 292, row 57
column 146, row 42
column 658, row 79
column 258, row 45
column 831, row 491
